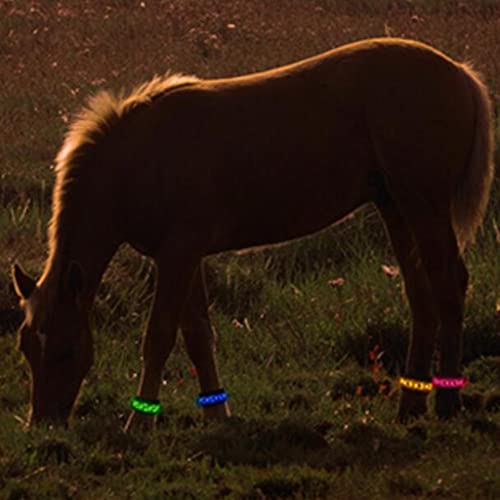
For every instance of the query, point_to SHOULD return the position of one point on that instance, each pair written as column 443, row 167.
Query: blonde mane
column 105, row 108
column 101, row 112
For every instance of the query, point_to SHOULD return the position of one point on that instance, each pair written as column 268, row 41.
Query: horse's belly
column 271, row 220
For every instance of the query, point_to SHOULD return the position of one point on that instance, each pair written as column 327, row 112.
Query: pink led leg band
column 449, row 383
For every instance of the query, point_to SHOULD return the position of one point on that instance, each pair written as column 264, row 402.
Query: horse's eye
column 42, row 338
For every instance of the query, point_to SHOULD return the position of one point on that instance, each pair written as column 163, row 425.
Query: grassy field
column 309, row 359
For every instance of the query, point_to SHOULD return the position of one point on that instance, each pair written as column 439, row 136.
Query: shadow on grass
column 263, row 443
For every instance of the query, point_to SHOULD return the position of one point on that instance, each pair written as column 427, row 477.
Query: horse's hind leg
column 448, row 278
column 423, row 311
column 200, row 342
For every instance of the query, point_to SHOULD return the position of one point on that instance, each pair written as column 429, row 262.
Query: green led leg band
column 415, row 385
column 145, row 406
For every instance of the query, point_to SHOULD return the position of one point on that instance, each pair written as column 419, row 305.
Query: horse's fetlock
column 411, row 404
column 447, row 403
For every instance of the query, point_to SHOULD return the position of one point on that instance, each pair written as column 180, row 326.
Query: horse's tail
column 473, row 190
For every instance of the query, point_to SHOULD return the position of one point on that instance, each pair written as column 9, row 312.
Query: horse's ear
column 23, row 284
column 75, row 280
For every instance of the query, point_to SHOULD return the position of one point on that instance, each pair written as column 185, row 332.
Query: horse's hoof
column 216, row 412
column 139, row 422
column 448, row 403
column 411, row 405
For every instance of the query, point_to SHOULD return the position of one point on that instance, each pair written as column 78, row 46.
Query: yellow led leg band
column 415, row 385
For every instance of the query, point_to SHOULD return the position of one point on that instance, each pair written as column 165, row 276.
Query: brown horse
column 182, row 168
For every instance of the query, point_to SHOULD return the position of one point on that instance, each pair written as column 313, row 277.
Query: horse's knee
column 199, row 337
column 156, row 347
column 451, row 304
column 425, row 325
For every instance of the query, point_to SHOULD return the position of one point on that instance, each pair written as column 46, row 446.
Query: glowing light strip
column 415, row 385
column 449, row 383
column 212, row 398
column 145, row 406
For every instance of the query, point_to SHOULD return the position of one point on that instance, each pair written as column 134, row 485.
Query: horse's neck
column 90, row 246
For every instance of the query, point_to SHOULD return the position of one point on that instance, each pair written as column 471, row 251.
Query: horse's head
column 56, row 341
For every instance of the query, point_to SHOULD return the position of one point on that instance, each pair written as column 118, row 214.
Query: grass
column 311, row 335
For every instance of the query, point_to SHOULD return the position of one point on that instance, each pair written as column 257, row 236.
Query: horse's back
column 282, row 153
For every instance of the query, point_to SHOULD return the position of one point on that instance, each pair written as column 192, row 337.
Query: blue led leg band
column 212, row 398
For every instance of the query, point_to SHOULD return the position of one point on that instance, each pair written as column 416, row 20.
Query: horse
column 184, row 167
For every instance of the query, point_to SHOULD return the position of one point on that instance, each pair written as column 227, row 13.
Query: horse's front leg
column 174, row 275
column 200, row 344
